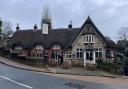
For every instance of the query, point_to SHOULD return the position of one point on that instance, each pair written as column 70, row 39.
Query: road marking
column 21, row 84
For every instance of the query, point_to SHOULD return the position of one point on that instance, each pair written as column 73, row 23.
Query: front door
column 89, row 56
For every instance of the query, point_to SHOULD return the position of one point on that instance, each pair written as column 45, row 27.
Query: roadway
column 13, row 78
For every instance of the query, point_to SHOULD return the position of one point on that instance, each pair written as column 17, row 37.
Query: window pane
column 89, row 38
column 80, row 49
column 85, row 38
column 91, row 56
column 96, row 54
column 99, row 49
column 100, row 54
column 69, row 56
column 81, row 54
column 87, row 55
column 92, row 39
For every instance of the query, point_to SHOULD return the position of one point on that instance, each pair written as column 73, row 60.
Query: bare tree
column 123, row 33
column 7, row 29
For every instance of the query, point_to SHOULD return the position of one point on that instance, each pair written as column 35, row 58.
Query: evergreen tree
column 0, row 26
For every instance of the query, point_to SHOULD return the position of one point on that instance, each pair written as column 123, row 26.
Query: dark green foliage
column 102, row 64
column 122, row 47
column 0, row 26
column 122, row 43
column 122, row 59
column 115, row 67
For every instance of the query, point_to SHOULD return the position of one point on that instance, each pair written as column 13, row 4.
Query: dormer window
column 39, row 47
column 18, row 47
column 89, row 39
column 56, row 46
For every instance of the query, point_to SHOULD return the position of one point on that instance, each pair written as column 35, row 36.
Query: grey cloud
column 108, row 15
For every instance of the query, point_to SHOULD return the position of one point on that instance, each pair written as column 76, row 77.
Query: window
column 57, row 56
column 68, row 55
column 89, row 55
column 33, row 55
column 56, row 47
column 79, row 53
column 89, row 39
column 39, row 55
column 18, row 47
column 45, row 28
column 39, row 47
column 20, row 53
column 98, row 53
column 110, row 54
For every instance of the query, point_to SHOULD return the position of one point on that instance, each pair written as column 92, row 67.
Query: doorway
column 89, row 56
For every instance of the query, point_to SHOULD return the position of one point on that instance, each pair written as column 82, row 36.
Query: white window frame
column 45, row 28
column 57, row 56
column 89, row 38
column 39, row 47
column 68, row 55
column 79, row 50
column 98, row 50
column 56, row 46
column 18, row 47
column 112, row 54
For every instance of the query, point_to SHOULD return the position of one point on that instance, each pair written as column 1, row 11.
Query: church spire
column 46, row 20
column 46, row 16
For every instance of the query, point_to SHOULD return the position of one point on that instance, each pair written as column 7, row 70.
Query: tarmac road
column 13, row 78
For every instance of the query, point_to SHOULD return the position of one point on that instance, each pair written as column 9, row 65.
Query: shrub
column 77, row 64
column 53, row 63
column 91, row 67
column 66, row 65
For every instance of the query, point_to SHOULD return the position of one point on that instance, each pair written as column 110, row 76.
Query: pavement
column 13, row 78
column 58, row 70
column 23, row 66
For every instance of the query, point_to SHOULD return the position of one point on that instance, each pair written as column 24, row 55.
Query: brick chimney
column 17, row 27
column 35, row 27
column 70, row 25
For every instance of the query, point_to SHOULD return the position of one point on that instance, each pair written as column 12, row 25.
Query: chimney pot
column 70, row 25
column 17, row 27
column 35, row 27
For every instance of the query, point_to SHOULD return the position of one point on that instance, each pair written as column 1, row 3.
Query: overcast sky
column 108, row 15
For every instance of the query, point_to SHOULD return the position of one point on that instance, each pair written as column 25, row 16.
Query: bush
column 91, row 67
column 77, row 64
column 66, row 65
column 115, row 67
column 53, row 63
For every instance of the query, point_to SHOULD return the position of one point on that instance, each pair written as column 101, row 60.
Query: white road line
column 21, row 84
